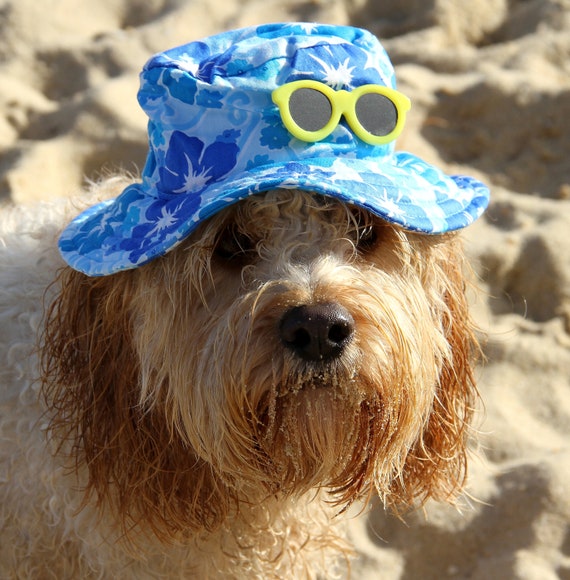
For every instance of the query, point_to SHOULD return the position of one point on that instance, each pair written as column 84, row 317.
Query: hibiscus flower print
column 160, row 221
column 190, row 166
column 339, row 66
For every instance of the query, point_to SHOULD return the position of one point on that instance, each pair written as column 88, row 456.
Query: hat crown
column 274, row 54
column 210, row 108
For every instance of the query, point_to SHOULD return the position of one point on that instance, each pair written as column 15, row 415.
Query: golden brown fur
column 185, row 421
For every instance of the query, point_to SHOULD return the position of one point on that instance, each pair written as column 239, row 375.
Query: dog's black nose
column 317, row 332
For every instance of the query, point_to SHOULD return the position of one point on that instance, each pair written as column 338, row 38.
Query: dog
column 205, row 391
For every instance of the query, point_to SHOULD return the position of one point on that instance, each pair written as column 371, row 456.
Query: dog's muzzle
column 317, row 332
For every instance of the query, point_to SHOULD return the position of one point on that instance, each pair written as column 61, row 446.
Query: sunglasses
column 310, row 111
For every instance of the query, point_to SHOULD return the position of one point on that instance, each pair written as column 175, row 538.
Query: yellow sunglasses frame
column 342, row 103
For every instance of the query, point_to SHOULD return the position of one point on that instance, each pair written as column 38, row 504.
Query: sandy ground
column 490, row 83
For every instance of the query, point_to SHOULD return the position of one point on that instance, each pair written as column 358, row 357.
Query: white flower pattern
column 194, row 179
column 337, row 75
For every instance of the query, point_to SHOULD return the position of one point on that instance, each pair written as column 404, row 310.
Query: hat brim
column 138, row 226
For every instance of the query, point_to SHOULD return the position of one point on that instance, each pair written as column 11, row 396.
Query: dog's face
column 292, row 342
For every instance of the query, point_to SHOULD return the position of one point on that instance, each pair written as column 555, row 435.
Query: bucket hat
column 293, row 105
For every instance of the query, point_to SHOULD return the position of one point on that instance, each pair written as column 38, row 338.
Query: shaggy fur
column 164, row 427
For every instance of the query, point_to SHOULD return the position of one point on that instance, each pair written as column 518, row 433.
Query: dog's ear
column 437, row 465
column 136, row 465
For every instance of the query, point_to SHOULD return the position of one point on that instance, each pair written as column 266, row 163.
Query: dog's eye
column 366, row 238
column 233, row 245
column 364, row 231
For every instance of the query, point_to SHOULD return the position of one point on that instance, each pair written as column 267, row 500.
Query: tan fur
column 193, row 442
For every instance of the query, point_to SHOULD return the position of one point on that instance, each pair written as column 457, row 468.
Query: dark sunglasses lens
column 377, row 114
column 310, row 109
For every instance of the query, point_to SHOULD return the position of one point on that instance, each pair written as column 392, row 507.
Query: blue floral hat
column 222, row 128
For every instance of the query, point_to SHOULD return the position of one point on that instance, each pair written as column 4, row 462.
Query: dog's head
column 291, row 342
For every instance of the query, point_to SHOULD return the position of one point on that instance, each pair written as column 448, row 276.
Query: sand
column 490, row 85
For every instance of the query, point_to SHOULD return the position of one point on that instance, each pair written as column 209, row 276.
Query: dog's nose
column 317, row 332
